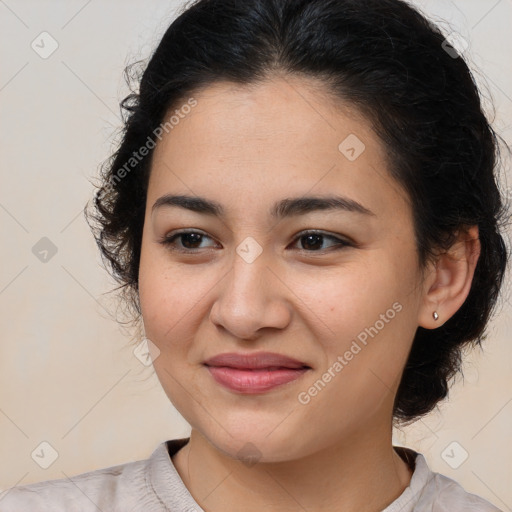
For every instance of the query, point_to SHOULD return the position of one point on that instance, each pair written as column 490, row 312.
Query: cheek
column 363, row 314
column 163, row 296
column 174, row 300
column 344, row 301
column 376, row 329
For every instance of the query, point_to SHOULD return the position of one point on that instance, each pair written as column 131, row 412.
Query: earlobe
column 450, row 280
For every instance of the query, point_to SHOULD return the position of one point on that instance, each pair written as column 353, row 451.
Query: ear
column 449, row 280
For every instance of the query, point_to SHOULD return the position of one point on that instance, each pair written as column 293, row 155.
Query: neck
column 363, row 472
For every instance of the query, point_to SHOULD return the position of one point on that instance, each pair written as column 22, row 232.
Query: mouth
column 255, row 361
column 254, row 381
column 254, row 373
column 265, row 368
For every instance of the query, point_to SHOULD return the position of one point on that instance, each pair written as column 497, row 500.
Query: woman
column 304, row 212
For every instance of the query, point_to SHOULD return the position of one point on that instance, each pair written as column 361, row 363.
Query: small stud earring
column 435, row 315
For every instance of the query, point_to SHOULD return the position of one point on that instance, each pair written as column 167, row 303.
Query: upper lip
column 254, row 360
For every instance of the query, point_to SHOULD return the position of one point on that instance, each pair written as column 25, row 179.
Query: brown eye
column 312, row 241
column 189, row 241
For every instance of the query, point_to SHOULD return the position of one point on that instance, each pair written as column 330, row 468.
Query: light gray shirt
column 154, row 485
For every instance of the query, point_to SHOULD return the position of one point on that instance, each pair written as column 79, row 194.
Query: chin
column 250, row 446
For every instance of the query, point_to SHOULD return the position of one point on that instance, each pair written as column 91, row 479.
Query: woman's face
column 344, row 302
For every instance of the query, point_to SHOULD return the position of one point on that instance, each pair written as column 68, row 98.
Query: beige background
column 68, row 374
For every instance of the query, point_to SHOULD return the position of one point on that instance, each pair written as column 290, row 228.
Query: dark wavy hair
column 385, row 58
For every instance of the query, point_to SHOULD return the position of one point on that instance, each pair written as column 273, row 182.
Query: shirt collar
column 166, row 483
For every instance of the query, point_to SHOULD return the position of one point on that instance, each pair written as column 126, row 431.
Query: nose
column 252, row 296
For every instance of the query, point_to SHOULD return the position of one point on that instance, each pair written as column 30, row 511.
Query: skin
column 246, row 148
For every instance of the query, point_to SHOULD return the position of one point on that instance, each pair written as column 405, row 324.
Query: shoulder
column 103, row 489
column 442, row 494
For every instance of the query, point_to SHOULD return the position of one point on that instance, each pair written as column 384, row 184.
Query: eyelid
column 326, row 234
column 342, row 242
column 171, row 237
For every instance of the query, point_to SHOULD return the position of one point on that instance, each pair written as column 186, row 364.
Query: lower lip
column 254, row 381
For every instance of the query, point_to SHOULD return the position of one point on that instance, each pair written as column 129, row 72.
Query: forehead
column 246, row 144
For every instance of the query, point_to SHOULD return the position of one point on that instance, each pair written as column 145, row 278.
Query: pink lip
column 254, row 373
column 253, row 381
column 254, row 361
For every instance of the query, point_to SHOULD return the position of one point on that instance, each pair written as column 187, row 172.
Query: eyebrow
column 288, row 207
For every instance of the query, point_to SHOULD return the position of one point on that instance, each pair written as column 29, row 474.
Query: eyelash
column 170, row 241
